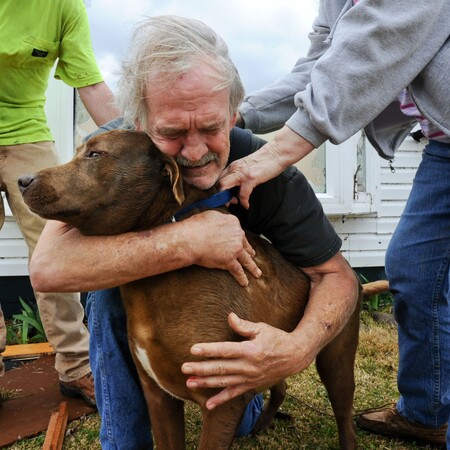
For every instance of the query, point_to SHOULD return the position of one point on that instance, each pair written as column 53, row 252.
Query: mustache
column 209, row 157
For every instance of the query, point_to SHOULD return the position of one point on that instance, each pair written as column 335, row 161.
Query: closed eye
column 172, row 135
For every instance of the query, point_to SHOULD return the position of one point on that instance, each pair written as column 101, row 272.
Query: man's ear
column 172, row 169
column 233, row 119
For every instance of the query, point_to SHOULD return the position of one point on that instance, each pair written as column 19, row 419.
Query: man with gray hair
column 180, row 86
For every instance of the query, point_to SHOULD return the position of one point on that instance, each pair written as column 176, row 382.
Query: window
column 349, row 170
column 343, row 176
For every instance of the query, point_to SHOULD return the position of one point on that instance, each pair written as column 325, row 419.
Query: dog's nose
column 24, row 182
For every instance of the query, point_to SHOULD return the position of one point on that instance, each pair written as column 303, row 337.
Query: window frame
column 342, row 197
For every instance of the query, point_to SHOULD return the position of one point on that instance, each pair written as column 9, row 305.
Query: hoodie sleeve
column 363, row 57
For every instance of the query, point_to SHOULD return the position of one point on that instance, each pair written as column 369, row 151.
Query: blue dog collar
column 216, row 200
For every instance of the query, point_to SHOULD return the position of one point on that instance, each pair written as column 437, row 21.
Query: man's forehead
column 180, row 123
column 196, row 80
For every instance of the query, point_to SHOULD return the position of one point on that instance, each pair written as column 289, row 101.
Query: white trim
column 341, row 167
column 59, row 109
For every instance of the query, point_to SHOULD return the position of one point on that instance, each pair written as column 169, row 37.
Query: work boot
column 83, row 387
column 390, row 423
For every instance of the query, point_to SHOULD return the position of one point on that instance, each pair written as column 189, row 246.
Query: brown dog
column 118, row 182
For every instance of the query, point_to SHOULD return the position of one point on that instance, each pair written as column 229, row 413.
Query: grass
column 313, row 425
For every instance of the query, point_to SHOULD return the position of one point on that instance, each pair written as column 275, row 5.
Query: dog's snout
column 25, row 182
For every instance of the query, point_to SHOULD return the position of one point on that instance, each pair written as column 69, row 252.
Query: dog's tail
column 375, row 287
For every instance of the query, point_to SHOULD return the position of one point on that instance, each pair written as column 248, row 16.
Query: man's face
column 192, row 123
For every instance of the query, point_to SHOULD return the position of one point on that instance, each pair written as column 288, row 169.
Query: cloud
column 110, row 67
column 265, row 38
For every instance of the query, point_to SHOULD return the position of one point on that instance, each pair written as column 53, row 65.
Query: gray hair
column 168, row 47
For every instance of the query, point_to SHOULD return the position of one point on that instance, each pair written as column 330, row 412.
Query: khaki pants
column 61, row 314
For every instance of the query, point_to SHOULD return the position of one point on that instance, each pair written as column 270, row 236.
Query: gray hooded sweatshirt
column 359, row 60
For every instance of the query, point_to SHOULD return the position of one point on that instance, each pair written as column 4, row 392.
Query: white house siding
column 13, row 250
column 366, row 238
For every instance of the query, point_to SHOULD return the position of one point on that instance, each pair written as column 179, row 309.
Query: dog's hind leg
column 277, row 396
column 166, row 416
column 335, row 365
column 220, row 424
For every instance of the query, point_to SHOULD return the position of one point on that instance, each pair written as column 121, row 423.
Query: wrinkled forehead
column 197, row 83
column 192, row 101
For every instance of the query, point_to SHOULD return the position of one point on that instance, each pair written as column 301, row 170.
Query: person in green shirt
column 36, row 34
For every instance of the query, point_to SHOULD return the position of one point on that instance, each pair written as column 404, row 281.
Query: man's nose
column 194, row 147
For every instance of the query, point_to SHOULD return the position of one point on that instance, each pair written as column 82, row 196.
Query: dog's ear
column 173, row 171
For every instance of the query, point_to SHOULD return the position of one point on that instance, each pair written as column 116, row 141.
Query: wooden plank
column 375, row 287
column 26, row 350
column 54, row 437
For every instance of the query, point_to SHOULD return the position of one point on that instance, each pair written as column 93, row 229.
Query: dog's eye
column 93, row 154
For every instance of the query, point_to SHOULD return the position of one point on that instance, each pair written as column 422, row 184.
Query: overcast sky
column 265, row 37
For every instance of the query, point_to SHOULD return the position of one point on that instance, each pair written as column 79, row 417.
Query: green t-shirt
column 33, row 35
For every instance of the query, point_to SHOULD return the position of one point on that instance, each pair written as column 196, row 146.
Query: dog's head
column 118, row 181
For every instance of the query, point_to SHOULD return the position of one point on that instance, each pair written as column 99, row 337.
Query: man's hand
column 270, row 354
column 267, row 357
column 223, row 245
column 270, row 160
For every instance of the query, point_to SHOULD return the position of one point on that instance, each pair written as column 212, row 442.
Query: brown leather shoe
column 83, row 387
column 390, row 423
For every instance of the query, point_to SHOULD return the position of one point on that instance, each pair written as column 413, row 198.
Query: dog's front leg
column 166, row 415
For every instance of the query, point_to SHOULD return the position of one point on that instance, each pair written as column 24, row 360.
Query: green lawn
column 313, row 425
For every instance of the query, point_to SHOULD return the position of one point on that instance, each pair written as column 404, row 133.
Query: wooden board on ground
column 27, row 350
column 35, row 389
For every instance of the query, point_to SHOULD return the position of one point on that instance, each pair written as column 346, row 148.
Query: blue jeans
column 417, row 266
column 125, row 423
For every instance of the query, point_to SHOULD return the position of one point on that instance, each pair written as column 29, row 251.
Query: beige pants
column 61, row 314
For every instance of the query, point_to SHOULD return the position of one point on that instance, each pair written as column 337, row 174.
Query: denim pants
column 417, row 266
column 125, row 423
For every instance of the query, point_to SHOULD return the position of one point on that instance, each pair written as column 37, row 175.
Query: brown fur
column 119, row 182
